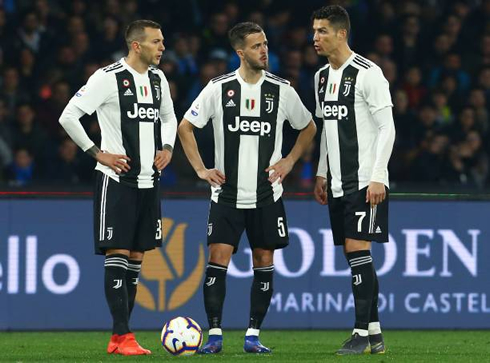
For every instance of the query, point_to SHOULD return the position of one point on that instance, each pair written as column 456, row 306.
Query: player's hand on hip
column 212, row 176
column 162, row 159
column 117, row 162
column 280, row 170
column 320, row 190
column 375, row 193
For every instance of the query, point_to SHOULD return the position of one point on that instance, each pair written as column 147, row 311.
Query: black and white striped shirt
column 346, row 100
column 247, row 122
column 136, row 118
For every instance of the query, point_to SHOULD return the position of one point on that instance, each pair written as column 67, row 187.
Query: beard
column 258, row 65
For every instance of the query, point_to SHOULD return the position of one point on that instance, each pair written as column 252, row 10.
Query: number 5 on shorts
column 359, row 222
column 280, row 227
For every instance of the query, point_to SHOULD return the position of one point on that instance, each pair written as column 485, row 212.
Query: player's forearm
column 169, row 130
column 322, row 162
column 302, row 142
column 70, row 120
column 189, row 144
column 386, row 139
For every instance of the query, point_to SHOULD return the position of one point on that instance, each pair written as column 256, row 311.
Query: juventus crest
column 269, row 103
column 347, row 86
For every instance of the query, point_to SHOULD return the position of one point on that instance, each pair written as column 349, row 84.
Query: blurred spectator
column 27, row 133
column 413, row 87
column 65, row 168
column 444, row 112
column 21, row 172
column 49, row 111
column 11, row 90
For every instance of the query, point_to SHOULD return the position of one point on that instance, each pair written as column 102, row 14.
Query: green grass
column 288, row 346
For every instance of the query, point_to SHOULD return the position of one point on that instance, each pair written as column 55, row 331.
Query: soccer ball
column 181, row 336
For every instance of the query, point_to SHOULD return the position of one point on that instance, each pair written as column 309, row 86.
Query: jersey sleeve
column 167, row 114
column 202, row 109
column 376, row 90
column 318, row 109
column 296, row 113
column 94, row 93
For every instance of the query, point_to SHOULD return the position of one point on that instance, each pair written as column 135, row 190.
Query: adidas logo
column 378, row 230
column 322, row 89
column 128, row 92
column 230, row 104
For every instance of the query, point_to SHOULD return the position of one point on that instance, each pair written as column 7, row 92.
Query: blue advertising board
column 433, row 273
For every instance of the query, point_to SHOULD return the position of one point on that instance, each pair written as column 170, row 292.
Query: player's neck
column 136, row 63
column 251, row 76
column 339, row 57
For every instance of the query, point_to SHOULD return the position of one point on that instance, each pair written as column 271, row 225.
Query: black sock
column 116, row 292
column 361, row 264
column 260, row 295
column 374, row 307
column 214, row 289
column 134, row 268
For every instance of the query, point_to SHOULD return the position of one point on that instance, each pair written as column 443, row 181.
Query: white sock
column 361, row 332
column 374, row 328
column 254, row 332
column 215, row 331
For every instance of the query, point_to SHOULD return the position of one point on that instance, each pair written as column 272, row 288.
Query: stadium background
column 436, row 55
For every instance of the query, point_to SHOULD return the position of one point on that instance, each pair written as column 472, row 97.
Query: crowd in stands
column 435, row 54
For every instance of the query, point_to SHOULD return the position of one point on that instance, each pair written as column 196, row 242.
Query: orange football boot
column 129, row 346
column 113, row 343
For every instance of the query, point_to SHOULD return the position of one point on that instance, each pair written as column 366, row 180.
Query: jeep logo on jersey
column 145, row 112
column 254, row 127
column 334, row 111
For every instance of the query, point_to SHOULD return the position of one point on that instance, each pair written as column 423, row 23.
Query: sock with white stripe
column 134, row 268
column 260, row 295
column 214, row 289
column 361, row 264
column 116, row 291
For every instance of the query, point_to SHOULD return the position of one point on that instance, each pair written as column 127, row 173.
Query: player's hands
column 375, row 193
column 117, row 162
column 212, row 176
column 162, row 158
column 280, row 169
column 320, row 190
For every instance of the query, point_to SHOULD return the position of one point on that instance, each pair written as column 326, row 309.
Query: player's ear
column 135, row 46
column 342, row 34
column 240, row 53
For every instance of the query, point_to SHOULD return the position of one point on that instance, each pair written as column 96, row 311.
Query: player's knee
column 352, row 245
column 262, row 258
column 220, row 254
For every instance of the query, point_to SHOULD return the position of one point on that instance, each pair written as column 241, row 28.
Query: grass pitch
column 288, row 346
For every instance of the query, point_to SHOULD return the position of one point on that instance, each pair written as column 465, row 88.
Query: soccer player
column 248, row 108
column 138, row 127
column 353, row 98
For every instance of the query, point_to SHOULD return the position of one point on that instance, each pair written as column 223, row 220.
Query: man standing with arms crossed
column 248, row 108
column 354, row 101
column 138, row 126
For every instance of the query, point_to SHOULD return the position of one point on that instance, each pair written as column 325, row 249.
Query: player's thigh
column 267, row 227
column 114, row 214
column 149, row 232
column 337, row 223
column 365, row 222
column 225, row 225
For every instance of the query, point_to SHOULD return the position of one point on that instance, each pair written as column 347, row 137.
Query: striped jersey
column 247, row 122
column 346, row 100
column 136, row 118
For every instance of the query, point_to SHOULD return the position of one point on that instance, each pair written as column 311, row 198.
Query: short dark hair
column 136, row 30
column 239, row 32
column 336, row 15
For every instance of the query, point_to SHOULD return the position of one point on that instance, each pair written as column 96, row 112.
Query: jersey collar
column 245, row 84
column 133, row 71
